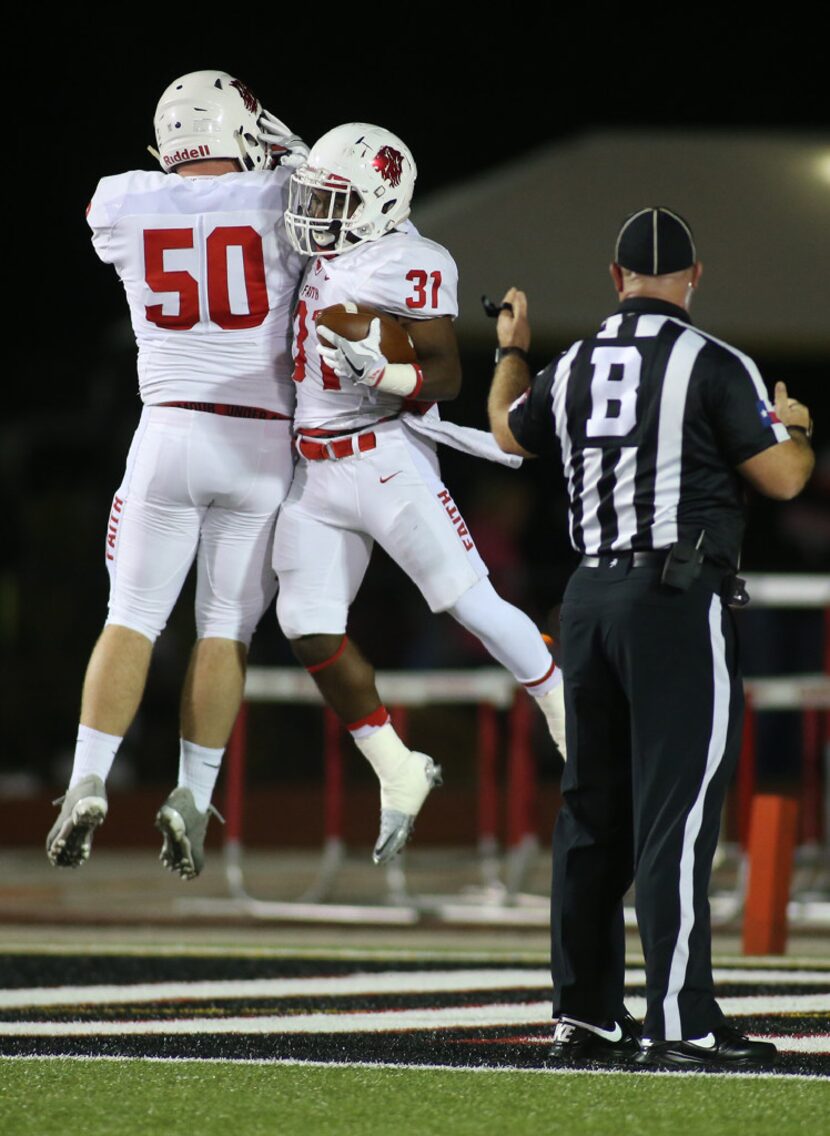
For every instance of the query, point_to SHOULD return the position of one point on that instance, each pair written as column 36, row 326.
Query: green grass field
column 143, row 1098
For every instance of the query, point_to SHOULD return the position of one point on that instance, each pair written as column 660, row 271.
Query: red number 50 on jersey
column 245, row 271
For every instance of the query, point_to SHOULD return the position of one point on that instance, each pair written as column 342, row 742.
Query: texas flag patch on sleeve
column 767, row 413
column 769, row 418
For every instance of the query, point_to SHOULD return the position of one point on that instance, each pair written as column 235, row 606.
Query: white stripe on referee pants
column 717, row 745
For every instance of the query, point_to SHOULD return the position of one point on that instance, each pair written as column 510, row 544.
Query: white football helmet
column 209, row 114
column 356, row 185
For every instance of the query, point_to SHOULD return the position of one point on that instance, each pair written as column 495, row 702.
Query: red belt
column 339, row 448
column 229, row 411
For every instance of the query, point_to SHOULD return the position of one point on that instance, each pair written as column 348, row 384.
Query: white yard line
column 385, row 982
column 817, row 1044
column 458, row 1017
column 767, row 975
column 474, row 1070
column 382, row 982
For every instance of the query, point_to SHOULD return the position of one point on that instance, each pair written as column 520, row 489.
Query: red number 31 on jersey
column 419, row 280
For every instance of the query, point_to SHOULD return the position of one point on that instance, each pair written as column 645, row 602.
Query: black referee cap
column 654, row 242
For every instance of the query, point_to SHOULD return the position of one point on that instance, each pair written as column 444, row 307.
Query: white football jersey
column 210, row 280
column 402, row 273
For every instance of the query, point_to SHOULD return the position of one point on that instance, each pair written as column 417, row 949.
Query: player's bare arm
column 436, row 346
column 782, row 471
column 512, row 375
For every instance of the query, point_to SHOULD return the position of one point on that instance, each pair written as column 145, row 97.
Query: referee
column 658, row 426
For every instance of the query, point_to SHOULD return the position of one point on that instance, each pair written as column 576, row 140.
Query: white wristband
column 404, row 379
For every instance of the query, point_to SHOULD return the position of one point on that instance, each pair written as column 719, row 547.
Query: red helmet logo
column 246, row 94
column 389, row 164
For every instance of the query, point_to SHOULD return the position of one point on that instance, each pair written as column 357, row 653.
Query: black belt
column 725, row 581
column 635, row 559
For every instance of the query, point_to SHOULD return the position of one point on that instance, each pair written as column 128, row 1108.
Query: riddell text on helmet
column 186, row 155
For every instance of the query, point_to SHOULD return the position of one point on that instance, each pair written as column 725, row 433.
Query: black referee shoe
column 575, row 1042
column 728, row 1047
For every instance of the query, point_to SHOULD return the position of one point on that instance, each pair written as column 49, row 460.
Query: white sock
column 198, row 770
column 94, row 754
column 384, row 751
column 403, row 784
column 366, row 727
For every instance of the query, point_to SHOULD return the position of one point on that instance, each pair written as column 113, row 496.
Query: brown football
column 352, row 322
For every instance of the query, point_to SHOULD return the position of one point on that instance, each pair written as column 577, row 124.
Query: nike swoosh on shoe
column 611, row 1035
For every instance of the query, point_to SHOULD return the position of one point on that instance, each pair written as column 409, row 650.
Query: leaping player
column 365, row 434
column 210, row 281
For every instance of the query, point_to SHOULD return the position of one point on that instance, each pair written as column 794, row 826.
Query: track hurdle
column 807, row 818
column 491, row 690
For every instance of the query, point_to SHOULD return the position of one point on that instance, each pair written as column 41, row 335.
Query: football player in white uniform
column 210, row 280
column 368, row 471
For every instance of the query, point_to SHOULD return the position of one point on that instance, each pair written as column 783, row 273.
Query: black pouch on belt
column 682, row 566
column 733, row 591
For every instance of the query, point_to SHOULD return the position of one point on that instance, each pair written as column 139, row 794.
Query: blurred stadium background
column 525, row 177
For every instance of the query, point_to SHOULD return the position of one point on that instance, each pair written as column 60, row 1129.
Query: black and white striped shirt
column 652, row 416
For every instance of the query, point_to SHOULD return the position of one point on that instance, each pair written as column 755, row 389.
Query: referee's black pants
column 654, row 706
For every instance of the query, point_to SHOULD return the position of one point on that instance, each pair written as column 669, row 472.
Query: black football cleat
column 724, row 1046
column 577, row 1043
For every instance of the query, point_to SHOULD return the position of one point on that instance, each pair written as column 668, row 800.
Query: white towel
column 467, row 439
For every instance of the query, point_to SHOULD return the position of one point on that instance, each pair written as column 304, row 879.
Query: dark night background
column 465, row 101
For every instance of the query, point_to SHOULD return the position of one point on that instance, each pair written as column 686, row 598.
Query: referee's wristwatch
column 503, row 352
